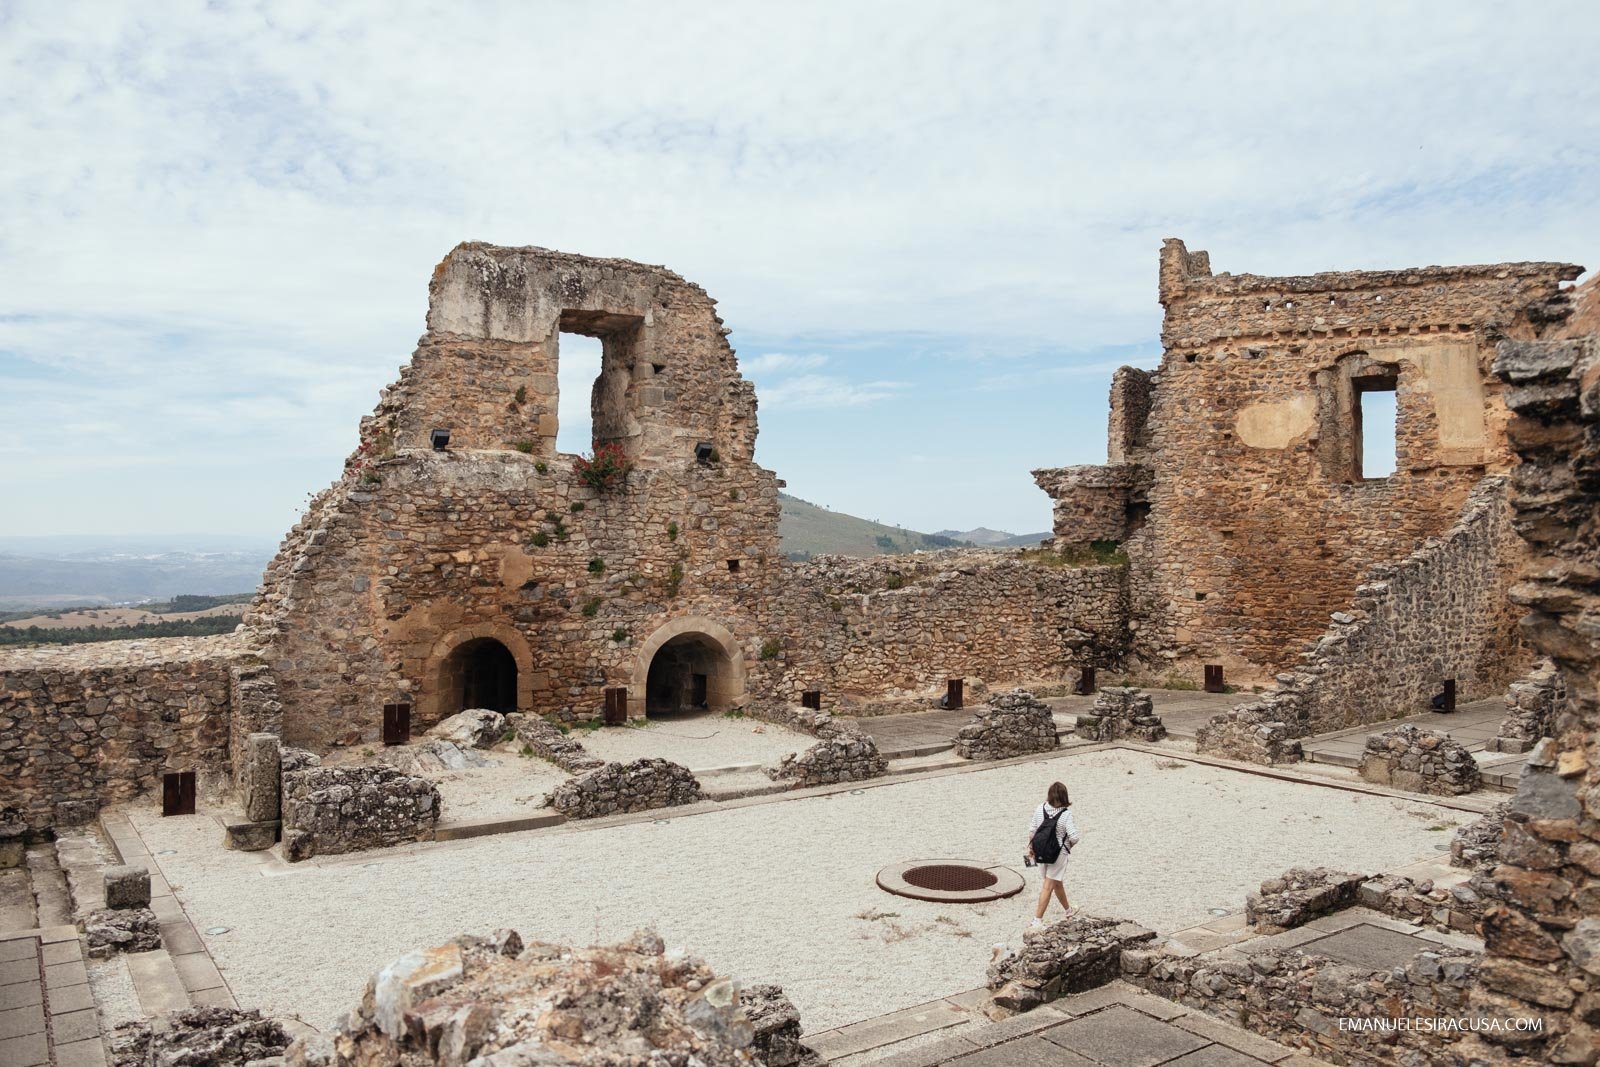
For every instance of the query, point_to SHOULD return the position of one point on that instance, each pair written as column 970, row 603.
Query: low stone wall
column 1252, row 733
column 845, row 753
column 1066, row 957
column 1419, row 761
column 1459, row 908
column 1532, row 704
column 1441, row 612
column 1477, row 844
column 496, row 1001
column 1010, row 724
column 1118, row 712
column 548, row 742
column 1299, row 895
column 82, row 726
column 616, row 788
column 213, row 1037
column 1297, row 999
column 328, row 810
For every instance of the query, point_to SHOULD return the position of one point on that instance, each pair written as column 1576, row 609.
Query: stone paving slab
column 47, row 1013
column 1368, row 946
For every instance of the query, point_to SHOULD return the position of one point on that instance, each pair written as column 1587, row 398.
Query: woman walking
column 1051, row 837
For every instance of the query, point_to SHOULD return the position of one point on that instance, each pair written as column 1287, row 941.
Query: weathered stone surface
column 482, row 1002
column 110, row 930
column 329, row 810
column 127, row 886
column 843, row 752
column 1420, row 761
column 473, row 728
column 1299, row 895
column 260, row 778
column 1065, row 957
column 1477, row 843
column 1459, row 908
column 251, row 836
column 623, row 787
column 198, row 1037
column 548, row 742
column 1262, row 732
column 1009, row 724
column 1121, row 712
column 1532, row 704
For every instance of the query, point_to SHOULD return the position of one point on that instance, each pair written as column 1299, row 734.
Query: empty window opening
column 733, row 566
column 1375, row 428
column 1135, row 513
column 579, row 359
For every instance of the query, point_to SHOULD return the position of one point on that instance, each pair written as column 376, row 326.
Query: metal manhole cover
column 950, row 881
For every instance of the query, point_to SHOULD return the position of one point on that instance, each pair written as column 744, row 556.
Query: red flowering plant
column 605, row 470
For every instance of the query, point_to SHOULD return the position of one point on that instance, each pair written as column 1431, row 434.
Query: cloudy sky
column 932, row 226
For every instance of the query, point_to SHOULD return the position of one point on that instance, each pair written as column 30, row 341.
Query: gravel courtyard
column 784, row 891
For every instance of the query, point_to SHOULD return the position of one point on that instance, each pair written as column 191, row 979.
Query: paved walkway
column 1116, row 1025
column 47, row 1014
column 1473, row 724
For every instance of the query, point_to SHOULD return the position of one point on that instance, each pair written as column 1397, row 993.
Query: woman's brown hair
column 1057, row 797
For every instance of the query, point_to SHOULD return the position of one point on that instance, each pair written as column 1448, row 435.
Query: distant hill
column 804, row 529
column 984, row 537
column 103, row 576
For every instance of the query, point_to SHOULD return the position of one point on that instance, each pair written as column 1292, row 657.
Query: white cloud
column 776, row 362
column 224, row 216
column 827, row 391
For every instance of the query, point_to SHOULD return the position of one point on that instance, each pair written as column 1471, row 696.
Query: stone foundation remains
column 1419, row 761
column 549, row 743
column 1477, row 844
column 616, row 788
column 1119, row 712
column 1459, row 908
column 1009, row 724
column 1299, row 895
column 1533, row 703
column 329, row 810
column 1252, row 733
column 1065, row 957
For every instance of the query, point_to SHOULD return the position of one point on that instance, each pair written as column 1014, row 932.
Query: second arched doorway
column 689, row 665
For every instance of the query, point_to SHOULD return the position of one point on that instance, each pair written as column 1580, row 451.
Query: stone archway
column 485, row 666
column 688, row 665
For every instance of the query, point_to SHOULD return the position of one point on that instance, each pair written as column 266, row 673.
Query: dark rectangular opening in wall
column 1375, row 411
column 953, row 688
column 700, row 691
column 177, row 793
column 733, row 566
column 811, row 698
column 396, row 724
column 617, row 706
column 1135, row 512
column 1086, row 683
column 1214, row 682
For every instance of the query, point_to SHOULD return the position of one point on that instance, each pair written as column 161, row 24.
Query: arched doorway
column 689, row 666
column 480, row 673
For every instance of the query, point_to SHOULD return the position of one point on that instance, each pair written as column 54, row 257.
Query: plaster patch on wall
column 1452, row 375
column 1277, row 423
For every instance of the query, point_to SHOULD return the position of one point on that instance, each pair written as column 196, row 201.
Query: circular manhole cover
column 950, row 881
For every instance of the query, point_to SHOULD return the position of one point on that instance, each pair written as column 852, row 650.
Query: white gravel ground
column 509, row 790
column 114, row 997
column 697, row 742
column 785, row 891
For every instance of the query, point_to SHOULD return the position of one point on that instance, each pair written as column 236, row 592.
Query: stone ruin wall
column 1250, row 444
column 82, row 726
column 1543, row 942
column 415, row 551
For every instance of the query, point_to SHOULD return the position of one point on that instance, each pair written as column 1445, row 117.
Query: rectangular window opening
column 1376, row 412
column 578, row 359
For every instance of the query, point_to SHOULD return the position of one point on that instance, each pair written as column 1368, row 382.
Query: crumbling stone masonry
column 1532, row 704
column 1299, row 895
column 1009, row 724
column 1459, row 908
column 1419, row 761
column 1477, row 844
column 548, row 742
column 1060, row 959
column 1236, row 483
column 496, row 1001
column 843, row 753
column 1253, row 733
column 328, row 810
column 1549, row 874
column 616, row 788
column 1118, row 712
column 215, row 1037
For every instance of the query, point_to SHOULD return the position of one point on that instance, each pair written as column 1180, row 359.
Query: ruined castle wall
column 82, row 726
column 860, row 627
column 1260, row 522
column 1543, row 941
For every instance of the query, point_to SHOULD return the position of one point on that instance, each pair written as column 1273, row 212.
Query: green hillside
column 806, row 530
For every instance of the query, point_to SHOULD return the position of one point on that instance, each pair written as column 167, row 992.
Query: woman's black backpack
column 1046, row 847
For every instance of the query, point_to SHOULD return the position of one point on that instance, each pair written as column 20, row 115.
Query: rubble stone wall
column 1121, row 711
column 1533, row 703
column 843, row 753
column 1543, row 955
column 89, row 725
column 1420, row 761
column 255, row 709
column 615, row 788
column 1009, row 724
column 328, row 810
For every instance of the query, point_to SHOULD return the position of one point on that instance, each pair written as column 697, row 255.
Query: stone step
column 467, row 828
column 52, row 901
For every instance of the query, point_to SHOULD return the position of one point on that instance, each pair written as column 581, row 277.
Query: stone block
column 262, row 777
column 251, row 836
column 127, row 887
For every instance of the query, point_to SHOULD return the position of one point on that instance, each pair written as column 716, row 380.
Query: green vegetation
column 522, row 394
column 577, row 506
column 597, row 566
column 619, row 635
column 190, row 602
column 672, row 531
column 13, row 636
column 524, row 446
column 371, row 477
column 895, row 580
column 674, row 579
column 1098, row 554
column 539, row 539
column 770, row 648
column 591, row 607
column 806, row 530
column 542, row 467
